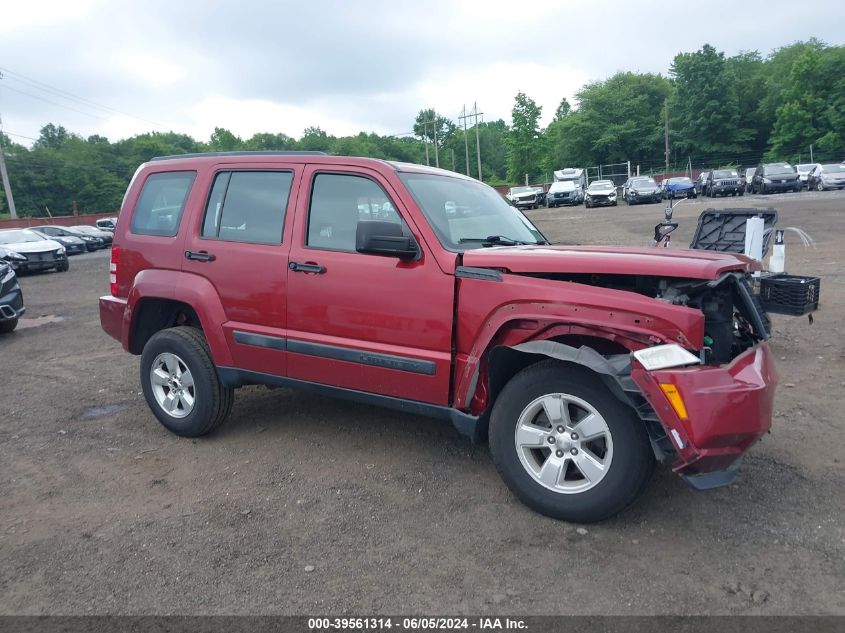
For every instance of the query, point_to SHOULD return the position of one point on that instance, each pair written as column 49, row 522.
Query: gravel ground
column 302, row 504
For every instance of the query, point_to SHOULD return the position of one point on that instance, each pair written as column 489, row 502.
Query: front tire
column 599, row 459
column 819, row 186
column 180, row 382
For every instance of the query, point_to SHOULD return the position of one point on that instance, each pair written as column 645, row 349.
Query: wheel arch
column 153, row 314
column 164, row 298
column 613, row 370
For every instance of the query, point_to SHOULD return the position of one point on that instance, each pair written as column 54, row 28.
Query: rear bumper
column 112, row 317
column 729, row 408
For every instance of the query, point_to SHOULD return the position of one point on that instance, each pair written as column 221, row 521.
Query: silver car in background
column 824, row 177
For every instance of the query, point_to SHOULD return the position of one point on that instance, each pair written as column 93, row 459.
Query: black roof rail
column 241, row 153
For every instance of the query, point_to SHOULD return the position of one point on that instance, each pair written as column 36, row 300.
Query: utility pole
column 434, row 127
column 464, row 116
column 476, row 114
column 811, row 154
column 5, row 177
column 666, row 132
column 425, row 140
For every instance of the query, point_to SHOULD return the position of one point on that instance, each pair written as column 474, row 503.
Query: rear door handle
column 307, row 268
column 199, row 256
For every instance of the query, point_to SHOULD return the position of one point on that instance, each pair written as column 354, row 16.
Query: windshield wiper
column 496, row 240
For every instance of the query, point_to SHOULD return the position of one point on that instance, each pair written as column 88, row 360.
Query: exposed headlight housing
column 12, row 256
column 61, row 250
column 665, row 356
column 767, row 180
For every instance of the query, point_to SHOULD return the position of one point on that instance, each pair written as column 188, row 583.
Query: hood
column 41, row 246
column 613, row 260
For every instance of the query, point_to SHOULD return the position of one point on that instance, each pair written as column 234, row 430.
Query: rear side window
column 161, row 203
column 248, row 206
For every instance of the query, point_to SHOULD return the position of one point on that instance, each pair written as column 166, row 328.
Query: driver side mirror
column 385, row 239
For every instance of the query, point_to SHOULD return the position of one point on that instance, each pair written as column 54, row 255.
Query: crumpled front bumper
column 729, row 407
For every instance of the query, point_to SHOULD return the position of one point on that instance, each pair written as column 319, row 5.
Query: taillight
column 115, row 259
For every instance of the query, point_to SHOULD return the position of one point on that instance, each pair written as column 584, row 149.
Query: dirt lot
column 307, row 505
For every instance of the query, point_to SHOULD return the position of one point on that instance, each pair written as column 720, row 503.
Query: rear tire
column 7, row 327
column 180, row 382
column 586, row 480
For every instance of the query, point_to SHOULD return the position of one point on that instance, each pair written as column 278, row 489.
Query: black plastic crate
column 790, row 294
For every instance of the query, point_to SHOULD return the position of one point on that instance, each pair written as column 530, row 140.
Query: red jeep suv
column 423, row 290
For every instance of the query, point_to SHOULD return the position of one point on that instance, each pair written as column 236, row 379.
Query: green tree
column 222, row 140
column 524, row 141
column 618, row 119
column 706, row 106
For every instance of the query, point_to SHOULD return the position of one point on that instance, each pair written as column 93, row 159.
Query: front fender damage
column 613, row 370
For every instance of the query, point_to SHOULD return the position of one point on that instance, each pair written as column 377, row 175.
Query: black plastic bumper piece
column 717, row 479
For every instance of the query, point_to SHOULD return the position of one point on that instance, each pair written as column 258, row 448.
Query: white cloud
column 494, row 87
column 152, row 68
column 245, row 117
column 37, row 14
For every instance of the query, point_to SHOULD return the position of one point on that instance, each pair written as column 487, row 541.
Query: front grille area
column 44, row 256
column 727, row 183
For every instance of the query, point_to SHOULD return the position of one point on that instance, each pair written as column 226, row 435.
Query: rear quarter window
column 161, row 203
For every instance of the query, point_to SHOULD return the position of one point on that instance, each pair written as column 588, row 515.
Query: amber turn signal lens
column 674, row 397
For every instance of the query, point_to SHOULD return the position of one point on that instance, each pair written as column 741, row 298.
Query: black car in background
column 723, row 182
column 93, row 231
column 73, row 245
column 772, row 177
column 639, row 189
column 53, row 231
column 11, row 296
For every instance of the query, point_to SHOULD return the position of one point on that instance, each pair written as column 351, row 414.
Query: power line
column 64, row 94
column 61, row 105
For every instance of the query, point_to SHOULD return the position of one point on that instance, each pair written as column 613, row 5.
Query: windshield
column 680, row 181
column 601, row 186
column 782, row 168
column 833, row 169
column 563, row 185
column 85, row 229
column 724, row 173
column 523, row 190
column 804, row 169
column 17, row 237
column 460, row 209
column 645, row 182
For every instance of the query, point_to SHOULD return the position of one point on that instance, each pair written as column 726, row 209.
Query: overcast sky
column 262, row 66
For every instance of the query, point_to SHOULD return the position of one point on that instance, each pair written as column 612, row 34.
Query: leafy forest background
column 722, row 111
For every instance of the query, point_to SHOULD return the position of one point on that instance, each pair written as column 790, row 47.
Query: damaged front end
column 705, row 401
column 713, row 407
